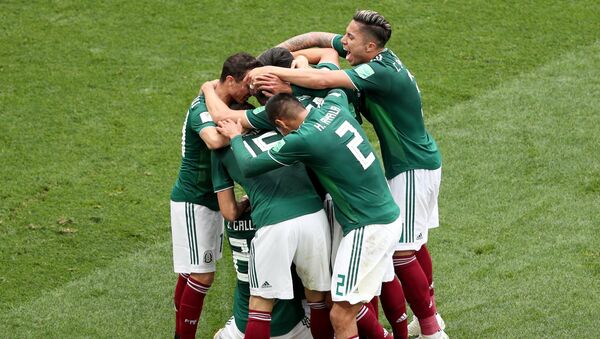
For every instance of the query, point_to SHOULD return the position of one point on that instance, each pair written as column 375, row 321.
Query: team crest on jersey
column 205, row 117
column 258, row 110
column 278, row 145
column 364, row 71
column 208, row 257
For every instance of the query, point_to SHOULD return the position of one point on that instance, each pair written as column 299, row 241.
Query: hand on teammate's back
column 230, row 128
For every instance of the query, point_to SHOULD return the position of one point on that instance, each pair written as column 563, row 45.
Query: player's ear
column 371, row 46
column 229, row 80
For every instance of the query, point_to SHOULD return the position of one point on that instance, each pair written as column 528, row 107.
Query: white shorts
column 363, row 262
column 300, row 331
column 416, row 193
column 304, row 241
column 197, row 237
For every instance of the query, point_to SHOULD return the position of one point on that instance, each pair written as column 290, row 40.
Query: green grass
column 92, row 97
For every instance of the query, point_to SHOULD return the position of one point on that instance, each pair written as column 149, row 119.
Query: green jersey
column 194, row 182
column 334, row 146
column 353, row 96
column 392, row 103
column 275, row 196
column 286, row 313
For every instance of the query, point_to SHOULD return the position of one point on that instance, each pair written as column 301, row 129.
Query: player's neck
column 222, row 93
column 375, row 53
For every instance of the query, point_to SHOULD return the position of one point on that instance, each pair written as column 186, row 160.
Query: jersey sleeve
column 289, row 150
column 369, row 76
column 336, row 43
column 199, row 118
column 220, row 177
column 258, row 118
column 250, row 165
column 336, row 97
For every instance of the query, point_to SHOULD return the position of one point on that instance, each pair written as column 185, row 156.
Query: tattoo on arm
column 308, row 40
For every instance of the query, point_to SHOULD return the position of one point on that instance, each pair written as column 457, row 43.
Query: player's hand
column 230, row 128
column 244, row 204
column 209, row 85
column 272, row 84
column 300, row 61
column 253, row 73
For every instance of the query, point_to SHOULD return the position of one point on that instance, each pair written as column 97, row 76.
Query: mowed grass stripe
column 517, row 254
column 130, row 298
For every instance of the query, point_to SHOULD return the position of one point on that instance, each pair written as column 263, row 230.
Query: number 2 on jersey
column 353, row 144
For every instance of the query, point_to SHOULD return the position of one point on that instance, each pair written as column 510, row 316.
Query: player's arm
column 223, row 185
column 229, row 207
column 249, row 166
column 212, row 138
column 218, row 109
column 319, row 55
column 308, row 40
column 310, row 78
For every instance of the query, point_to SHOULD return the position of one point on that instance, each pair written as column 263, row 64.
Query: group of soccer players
column 324, row 229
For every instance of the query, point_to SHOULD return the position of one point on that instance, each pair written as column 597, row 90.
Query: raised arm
column 308, row 40
column 319, row 55
column 218, row 109
column 310, row 78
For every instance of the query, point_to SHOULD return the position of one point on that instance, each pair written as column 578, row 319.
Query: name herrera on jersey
column 241, row 225
column 328, row 118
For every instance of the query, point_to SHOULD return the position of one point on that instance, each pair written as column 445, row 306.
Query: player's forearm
column 217, row 109
column 213, row 139
column 308, row 40
column 318, row 55
column 310, row 78
column 251, row 166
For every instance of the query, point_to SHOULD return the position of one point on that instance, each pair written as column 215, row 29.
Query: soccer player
column 288, row 320
column 392, row 103
column 327, row 139
column 292, row 227
column 196, row 224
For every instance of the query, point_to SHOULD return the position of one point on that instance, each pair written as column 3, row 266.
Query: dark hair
column 374, row 24
column 238, row 65
column 276, row 56
column 282, row 105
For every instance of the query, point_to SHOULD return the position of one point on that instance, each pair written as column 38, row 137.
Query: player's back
column 277, row 195
column 194, row 182
column 338, row 151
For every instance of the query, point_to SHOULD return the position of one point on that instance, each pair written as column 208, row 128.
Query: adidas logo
column 190, row 321
column 265, row 285
column 402, row 318
column 420, row 236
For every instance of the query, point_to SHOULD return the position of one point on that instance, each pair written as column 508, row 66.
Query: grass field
column 93, row 95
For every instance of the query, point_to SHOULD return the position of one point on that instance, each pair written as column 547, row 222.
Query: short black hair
column 238, row 65
column 282, row 105
column 374, row 24
column 276, row 56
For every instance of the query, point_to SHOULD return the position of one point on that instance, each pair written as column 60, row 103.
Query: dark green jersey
column 353, row 95
column 275, row 196
column 258, row 118
column 286, row 313
column 392, row 103
column 334, row 146
column 194, row 182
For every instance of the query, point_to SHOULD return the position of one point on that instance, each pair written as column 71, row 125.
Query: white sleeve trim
column 279, row 162
column 353, row 84
column 223, row 189
column 248, row 120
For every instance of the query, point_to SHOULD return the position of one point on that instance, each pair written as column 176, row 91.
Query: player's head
column 366, row 35
column 285, row 112
column 233, row 73
column 276, row 56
